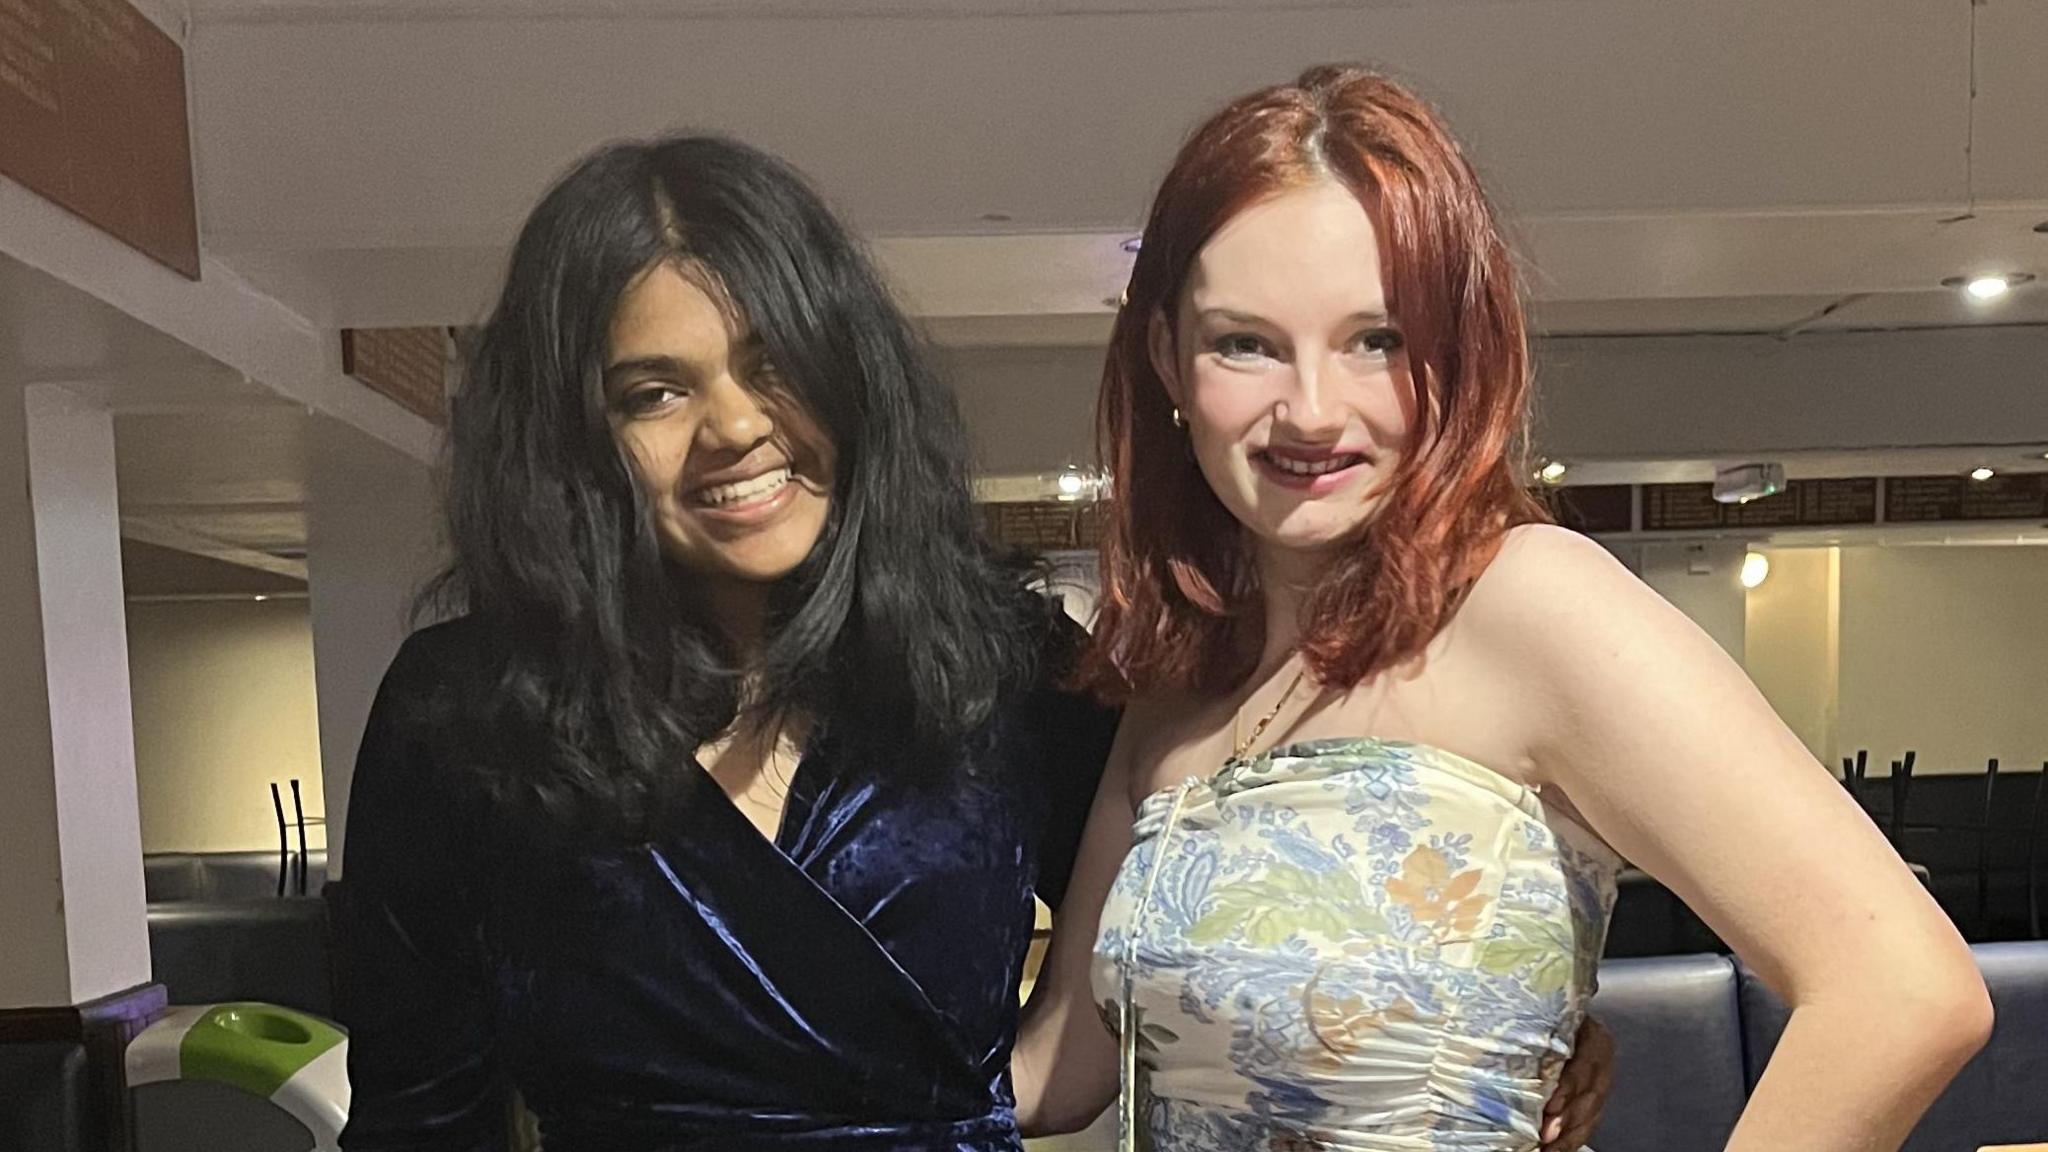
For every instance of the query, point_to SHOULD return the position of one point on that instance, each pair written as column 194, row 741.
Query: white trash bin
column 247, row 1077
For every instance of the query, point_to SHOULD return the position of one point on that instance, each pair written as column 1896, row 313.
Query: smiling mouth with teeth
column 1324, row 466
column 743, row 491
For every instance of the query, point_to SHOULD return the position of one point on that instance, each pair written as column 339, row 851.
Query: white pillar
column 372, row 541
column 72, row 921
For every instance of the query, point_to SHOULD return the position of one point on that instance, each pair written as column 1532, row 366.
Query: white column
column 71, row 897
column 372, row 536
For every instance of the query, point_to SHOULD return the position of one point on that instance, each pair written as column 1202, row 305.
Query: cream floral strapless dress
column 1349, row 944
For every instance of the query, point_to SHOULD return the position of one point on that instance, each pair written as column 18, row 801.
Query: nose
column 735, row 419
column 1308, row 410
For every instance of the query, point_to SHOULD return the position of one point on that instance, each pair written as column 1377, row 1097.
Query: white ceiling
column 1713, row 166
column 207, row 462
column 1717, row 165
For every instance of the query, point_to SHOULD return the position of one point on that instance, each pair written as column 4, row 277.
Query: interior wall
column 1791, row 644
column 224, row 705
column 1945, row 652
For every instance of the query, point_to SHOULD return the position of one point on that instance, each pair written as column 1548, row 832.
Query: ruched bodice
column 1349, row 944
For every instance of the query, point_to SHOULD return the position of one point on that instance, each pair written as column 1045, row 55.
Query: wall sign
column 92, row 118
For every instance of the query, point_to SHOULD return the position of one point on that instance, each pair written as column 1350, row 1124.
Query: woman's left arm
column 1661, row 741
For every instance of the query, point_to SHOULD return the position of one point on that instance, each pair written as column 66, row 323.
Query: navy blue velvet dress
column 850, row 986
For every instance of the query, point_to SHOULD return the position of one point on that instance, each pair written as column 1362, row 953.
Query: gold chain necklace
column 1244, row 745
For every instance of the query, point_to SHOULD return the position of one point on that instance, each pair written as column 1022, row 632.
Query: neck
column 1285, row 579
column 740, row 612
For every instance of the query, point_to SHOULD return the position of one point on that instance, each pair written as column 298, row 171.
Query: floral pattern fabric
column 1363, row 945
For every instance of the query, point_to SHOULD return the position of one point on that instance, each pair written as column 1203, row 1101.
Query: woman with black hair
column 713, row 818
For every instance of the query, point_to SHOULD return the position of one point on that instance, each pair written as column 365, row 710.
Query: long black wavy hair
column 902, row 614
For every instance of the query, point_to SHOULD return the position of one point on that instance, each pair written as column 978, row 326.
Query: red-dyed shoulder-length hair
column 1180, row 605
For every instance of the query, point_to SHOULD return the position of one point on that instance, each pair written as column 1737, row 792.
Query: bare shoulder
column 1154, row 726
column 1558, row 615
column 1543, row 559
column 1150, row 723
column 1550, row 586
column 1596, row 656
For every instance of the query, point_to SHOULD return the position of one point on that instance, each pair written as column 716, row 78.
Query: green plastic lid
column 254, row 1047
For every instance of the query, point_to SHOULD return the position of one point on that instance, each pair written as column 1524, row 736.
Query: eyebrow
column 1232, row 316
column 620, row 371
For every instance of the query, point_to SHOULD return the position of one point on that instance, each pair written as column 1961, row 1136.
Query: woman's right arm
column 1064, row 1066
column 1657, row 736
column 411, row 986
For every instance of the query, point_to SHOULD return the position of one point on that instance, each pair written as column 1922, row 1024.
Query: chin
column 762, row 567
column 1319, row 537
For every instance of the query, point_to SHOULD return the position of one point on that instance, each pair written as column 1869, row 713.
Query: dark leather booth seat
column 170, row 877
column 270, row 950
column 1693, row 1035
column 42, row 1095
column 1678, row 1070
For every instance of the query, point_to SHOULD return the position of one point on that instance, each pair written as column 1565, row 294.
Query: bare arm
column 1064, row 1066
column 1676, row 759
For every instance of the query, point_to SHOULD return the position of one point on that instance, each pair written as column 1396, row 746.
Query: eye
column 650, row 398
column 1242, row 347
column 1377, row 341
column 767, row 378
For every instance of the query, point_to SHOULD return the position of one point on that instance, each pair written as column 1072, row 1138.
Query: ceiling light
column 1553, row 472
column 1133, row 244
column 1988, row 287
column 1981, row 474
column 1756, row 568
column 1077, row 483
column 259, row 599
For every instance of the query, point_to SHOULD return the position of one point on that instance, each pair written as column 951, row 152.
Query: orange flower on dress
column 1448, row 905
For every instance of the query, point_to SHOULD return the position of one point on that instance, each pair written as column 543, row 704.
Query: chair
column 1853, row 771
column 2038, row 825
column 1902, row 788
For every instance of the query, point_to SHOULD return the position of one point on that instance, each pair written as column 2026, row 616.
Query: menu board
column 1044, row 525
column 1803, row 504
column 92, row 117
column 1824, row 503
column 2015, row 496
column 1680, row 507
column 408, row 365
column 1593, row 508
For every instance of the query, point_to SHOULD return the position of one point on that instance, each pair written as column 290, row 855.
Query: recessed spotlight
column 1756, row 568
column 997, row 217
column 259, row 599
column 1981, row 474
column 2042, row 227
column 1553, row 472
column 1133, row 244
column 1989, row 287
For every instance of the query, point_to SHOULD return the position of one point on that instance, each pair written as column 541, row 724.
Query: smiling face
column 1289, row 370
column 738, row 477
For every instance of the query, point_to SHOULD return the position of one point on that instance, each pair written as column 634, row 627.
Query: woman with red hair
column 1389, row 733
